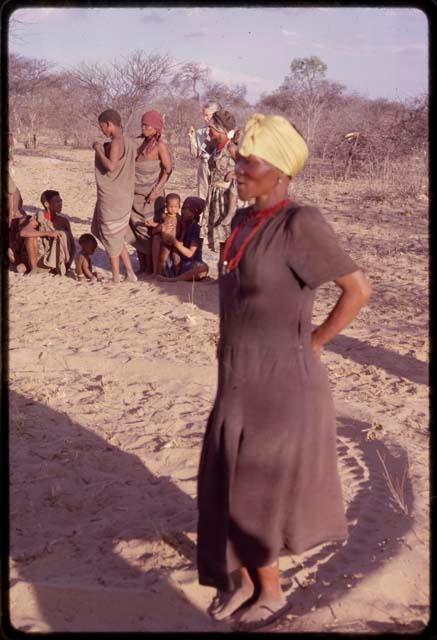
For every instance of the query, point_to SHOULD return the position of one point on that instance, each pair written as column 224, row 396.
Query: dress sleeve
column 313, row 252
column 194, row 237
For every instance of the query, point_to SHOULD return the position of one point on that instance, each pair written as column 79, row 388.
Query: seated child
column 48, row 238
column 190, row 265
column 162, row 248
column 84, row 267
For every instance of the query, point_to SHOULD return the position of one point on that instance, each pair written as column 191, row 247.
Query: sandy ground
column 110, row 388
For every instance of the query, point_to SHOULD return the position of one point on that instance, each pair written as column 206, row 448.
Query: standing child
column 84, row 267
column 162, row 248
column 115, row 178
column 48, row 238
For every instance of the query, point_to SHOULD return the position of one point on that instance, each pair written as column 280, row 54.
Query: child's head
column 109, row 121
column 51, row 201
column 192, row 209
column 172, row 203
column 88, row 243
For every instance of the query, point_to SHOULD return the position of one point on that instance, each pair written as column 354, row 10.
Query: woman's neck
column 268, row 200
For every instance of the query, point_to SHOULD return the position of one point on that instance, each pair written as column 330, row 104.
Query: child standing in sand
column 84, row 267
column 170, row 227
column 115, row 178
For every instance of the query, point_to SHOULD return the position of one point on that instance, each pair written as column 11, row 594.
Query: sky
column 375, row 52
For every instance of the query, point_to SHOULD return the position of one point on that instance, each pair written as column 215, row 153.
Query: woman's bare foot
column 115, row 278
column 131, row 277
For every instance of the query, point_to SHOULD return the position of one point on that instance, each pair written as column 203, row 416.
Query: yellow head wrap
column 275, row 140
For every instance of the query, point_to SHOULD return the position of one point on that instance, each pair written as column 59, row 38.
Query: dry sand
column 110, row 388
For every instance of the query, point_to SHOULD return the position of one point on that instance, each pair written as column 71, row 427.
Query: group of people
column 133, row 208
column 268, row 475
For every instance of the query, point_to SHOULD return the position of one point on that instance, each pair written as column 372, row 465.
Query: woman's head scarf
column 275, row 140
column 152, row 119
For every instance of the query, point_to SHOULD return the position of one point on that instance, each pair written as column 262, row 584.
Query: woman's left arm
column 167, row 168
column 356, row 291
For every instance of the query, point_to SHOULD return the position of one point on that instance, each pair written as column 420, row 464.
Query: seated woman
column 189, row 246
column 48, row 237
column 17, row 219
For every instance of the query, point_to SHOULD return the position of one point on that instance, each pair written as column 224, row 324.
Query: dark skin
column 258, row 179
column 220, row 137
column 110, row 155
column 200, row 271
column 83, row 262
column 161, row 153
column 31, row 232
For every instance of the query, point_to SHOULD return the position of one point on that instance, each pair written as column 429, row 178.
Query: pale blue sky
column 377, row 52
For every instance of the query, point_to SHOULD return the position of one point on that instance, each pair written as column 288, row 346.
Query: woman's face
column 207, row 115
column 214, row 134
column 255, row 177
column 147, row 130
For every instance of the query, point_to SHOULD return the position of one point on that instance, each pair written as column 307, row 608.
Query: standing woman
column 153, row 167
column 221, row 163
column 268, row 470
column 201, row 146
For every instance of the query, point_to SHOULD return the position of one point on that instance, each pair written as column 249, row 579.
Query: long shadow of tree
column 86, row 515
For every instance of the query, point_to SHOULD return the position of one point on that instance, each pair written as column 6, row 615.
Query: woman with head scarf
column 268, row 470
column 221, row 162
column 152, row 170
column 201, row 146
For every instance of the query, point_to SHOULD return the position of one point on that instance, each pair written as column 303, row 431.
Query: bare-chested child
column 170, row 226
column 115, row 179
column 84, row 267
column 48, row 237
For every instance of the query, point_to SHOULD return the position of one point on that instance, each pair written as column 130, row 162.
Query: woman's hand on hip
column 316, row 346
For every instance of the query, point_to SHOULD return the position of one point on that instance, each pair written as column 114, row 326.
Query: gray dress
column 147, row 174
column 268, row 468
column 115, row 190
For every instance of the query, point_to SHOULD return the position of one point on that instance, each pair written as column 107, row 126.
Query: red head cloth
column 194, row 204
column 153, row 119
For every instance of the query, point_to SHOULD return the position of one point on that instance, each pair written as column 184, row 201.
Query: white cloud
column 411, row 47
column 290, row 34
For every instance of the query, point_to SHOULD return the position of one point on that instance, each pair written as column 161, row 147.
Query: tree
column 125, row 86
column 29, row 80
column 190, row 78
column 305, row 95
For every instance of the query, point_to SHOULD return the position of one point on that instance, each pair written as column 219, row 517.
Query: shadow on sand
column 96, row 547
column 87, row 521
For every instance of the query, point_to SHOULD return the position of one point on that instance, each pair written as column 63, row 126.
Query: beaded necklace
column 260, row 217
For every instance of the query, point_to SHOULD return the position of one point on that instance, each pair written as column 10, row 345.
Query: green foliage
column 308, row 70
